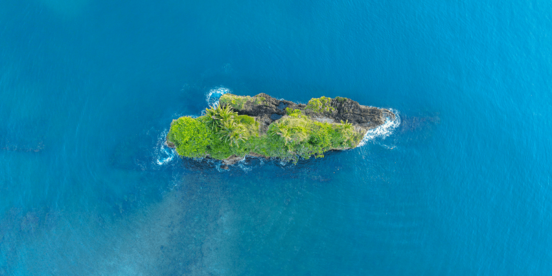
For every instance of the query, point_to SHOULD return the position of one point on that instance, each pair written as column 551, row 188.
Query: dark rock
column 344, row 109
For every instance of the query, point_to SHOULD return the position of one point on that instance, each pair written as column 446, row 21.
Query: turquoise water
column 461, row 186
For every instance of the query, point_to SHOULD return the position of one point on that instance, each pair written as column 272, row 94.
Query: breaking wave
column 163, row 154
column 382, row 131
column 214, row 95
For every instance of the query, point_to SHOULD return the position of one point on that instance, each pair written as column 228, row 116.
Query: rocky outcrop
column 267, row 109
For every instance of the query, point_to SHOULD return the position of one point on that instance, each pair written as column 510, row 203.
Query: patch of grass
column 259, row 100
column 320, row 105
column 293, row 112
column 222, row 133
column 235, row 101
column 239, row 102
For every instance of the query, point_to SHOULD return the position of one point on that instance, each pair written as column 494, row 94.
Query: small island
column 262, row 126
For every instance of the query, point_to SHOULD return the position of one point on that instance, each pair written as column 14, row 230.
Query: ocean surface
column 459, row 185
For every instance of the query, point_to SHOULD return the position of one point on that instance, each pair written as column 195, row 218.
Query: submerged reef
column 262, row 126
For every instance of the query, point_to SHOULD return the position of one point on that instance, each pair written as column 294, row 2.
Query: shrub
column 192, row 137
column 322, row 104
column 293, row 112
column 340, row 99
column 216, row 116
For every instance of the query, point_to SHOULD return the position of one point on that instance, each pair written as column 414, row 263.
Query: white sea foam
column 242, row 164
column 214, row 95
column 382, row 131
column 163, row 154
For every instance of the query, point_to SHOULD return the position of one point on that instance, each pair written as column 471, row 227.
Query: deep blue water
column 461, row 187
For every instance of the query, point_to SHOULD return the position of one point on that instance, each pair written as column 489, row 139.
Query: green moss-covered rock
column 267, row 127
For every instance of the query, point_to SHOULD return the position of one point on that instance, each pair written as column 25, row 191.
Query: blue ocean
column 459, row 184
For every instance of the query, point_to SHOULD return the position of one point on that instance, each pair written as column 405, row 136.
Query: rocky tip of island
column 263, row 126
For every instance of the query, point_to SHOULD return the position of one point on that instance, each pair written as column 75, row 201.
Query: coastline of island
column 266, row 127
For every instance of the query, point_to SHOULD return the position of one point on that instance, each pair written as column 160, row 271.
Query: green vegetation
column 259, row 100
column 221, row 133
column 322, row 104
column 340, row 99
column 238, row 102
column 293, row 112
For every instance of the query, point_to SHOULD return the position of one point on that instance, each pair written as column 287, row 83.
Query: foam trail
column 214, row 95
column 163, row 153
column 382, row 131
column 169, row 156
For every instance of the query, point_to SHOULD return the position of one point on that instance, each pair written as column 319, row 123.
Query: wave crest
column 214, row 95
column 382, row 131
column 163, row 154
